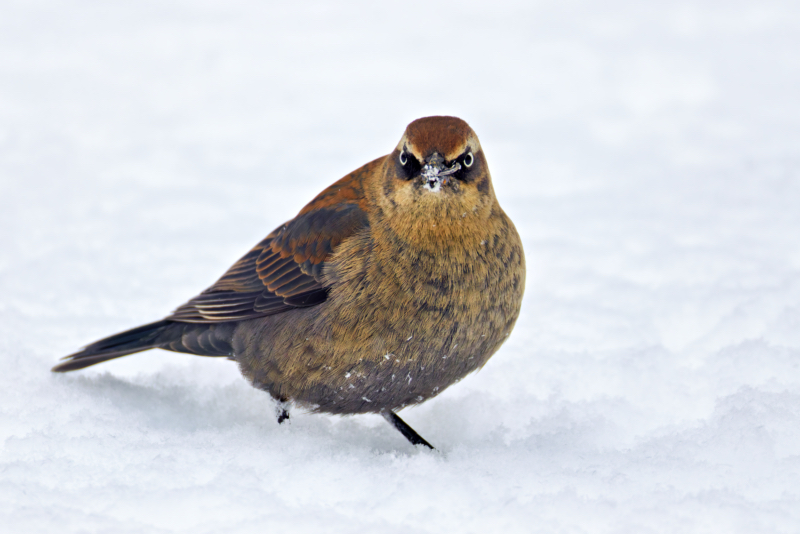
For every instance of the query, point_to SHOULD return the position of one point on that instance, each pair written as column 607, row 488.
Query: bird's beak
column 435, row 174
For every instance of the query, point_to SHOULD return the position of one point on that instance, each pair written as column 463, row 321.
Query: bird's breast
column 406, row 322
column 401, row 323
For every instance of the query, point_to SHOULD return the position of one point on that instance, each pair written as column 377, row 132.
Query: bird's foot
column 410, row 434
column 282, row 411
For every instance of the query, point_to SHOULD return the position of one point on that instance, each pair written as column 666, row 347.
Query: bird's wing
column 284, row 271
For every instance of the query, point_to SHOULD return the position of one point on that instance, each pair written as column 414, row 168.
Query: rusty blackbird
column 392, row 284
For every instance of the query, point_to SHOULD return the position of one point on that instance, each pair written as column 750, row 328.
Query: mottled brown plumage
column 392, row 284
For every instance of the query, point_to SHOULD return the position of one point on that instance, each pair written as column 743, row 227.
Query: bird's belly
column 383, row 350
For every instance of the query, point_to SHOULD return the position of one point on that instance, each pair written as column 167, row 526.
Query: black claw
column 282, row 410
column 410, row 434
column 283, row 415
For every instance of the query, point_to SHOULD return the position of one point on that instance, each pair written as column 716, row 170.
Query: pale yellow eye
column 469, row 159
column 403, row 158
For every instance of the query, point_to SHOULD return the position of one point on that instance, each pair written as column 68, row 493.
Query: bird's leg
column 282, row 410
column 410, row 434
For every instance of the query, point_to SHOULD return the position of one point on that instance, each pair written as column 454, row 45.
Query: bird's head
column 437, row 175
column 437, row 154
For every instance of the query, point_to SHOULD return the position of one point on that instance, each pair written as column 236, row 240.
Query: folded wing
column 284, row 271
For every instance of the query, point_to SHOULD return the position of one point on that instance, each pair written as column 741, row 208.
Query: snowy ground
column 650, row 157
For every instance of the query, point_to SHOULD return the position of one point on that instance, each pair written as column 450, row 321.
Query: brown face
column 435, row 190
column 438, row 168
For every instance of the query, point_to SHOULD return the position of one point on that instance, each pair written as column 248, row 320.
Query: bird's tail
column 200, row 339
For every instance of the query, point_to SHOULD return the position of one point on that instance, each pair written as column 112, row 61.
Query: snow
column 647, row 152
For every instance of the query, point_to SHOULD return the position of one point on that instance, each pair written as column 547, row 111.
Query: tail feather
column 200, row 339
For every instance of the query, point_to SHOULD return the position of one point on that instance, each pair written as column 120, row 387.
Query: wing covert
column 284, row 271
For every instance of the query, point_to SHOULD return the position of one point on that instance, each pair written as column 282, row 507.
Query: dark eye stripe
column 407, row 165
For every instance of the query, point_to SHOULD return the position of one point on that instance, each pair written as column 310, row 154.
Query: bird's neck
column 438, row 229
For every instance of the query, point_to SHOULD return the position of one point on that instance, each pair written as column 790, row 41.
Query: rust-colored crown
column 444, row 134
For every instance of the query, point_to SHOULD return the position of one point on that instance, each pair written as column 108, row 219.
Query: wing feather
column 284, row 271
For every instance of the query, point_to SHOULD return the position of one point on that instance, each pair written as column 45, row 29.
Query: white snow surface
column 648, row 152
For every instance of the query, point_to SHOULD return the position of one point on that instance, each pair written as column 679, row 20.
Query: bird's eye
column 407, row 165
column 469, row 159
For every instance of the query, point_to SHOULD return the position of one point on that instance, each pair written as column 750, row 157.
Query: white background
column 649, row 155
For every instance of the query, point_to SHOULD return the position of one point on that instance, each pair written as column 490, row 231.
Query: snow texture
column 648, row 152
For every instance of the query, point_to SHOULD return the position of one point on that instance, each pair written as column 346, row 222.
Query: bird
column 391, row 285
